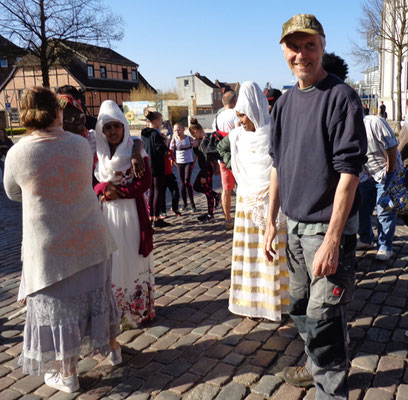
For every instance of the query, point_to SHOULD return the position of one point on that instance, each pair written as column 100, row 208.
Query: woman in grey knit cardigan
column 67, row 246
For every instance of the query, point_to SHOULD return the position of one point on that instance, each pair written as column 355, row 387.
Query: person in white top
column 224, row 123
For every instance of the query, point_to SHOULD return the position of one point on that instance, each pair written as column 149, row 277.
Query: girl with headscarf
column 124, row 206
column 258, row 287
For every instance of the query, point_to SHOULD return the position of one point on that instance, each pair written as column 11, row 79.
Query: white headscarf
column 106, row 168
column 250, row 159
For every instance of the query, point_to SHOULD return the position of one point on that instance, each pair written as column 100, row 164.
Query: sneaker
column 115, row 356
column 384, row 255
column 160, row 223
column 217, row 200
column 205, row 218
column 184, row 208
column 229, row 224
column 363, row 245
column 297, row 376
column 55, row 380
column 163, row 215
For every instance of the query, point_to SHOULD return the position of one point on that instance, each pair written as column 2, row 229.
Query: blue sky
column 224, row 39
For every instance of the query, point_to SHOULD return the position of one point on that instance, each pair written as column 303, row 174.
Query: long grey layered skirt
column 76, row 316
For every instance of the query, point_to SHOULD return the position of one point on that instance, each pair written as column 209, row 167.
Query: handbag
column 395, row 198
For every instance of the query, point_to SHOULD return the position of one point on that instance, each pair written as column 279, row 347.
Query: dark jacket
column 156, row 148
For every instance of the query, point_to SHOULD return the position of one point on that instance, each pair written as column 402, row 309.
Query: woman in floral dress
column 124, row 206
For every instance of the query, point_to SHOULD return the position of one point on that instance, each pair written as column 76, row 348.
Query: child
column 171, row 184
column 203, row 182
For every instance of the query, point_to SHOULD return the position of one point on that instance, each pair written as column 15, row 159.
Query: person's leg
column 163, row 207
column 198, row 186
column 189, row 171
column 326, row 322
column 174, row 190
column 228, row 183
column 181, row 168
column 368, row 193
column 151, row 198
column 209, row 192
column 386, row 223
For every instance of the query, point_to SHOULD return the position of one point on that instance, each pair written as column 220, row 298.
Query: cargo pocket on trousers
column 340, row 286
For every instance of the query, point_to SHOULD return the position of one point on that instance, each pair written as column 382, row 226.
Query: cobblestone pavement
column 196, row 349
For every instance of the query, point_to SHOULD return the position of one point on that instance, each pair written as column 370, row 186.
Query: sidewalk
column 196, row 349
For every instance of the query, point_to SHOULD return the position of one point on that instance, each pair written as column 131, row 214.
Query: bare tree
column 41, row 26
column 384, row 26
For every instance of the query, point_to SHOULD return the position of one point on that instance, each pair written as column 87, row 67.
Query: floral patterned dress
column 132, row 274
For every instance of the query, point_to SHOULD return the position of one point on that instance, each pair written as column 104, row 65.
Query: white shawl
column 250, row 159
column 112, row 169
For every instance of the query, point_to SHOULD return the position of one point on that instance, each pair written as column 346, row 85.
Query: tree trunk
column 399, row 73
column 44, row 47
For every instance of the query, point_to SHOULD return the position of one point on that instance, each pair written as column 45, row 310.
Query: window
column 134, row 75
column 103, row 72
column 186, row 82
column 125, row 74
column 3, row 63
column 14, row 116
column 219, row 95
column 91, row 71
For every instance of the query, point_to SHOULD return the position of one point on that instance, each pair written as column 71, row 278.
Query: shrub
column 16, row 131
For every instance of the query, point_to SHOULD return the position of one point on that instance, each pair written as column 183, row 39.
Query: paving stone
column 263, row 358
column 233, row 390
column 203, row 391
column 389, row 371
column 129, row 335
column 295, row 348
column 372, row 347
column 31, row 396
column 234, row 359
column 247, row 375
column 379, row 335
column 247, row 347
column 267, row 385
column 167, row 396
column 286, row 392
column 10, row 395
column 70, row 396
column 45, row 391
column 157, row 382
column 204, row 366
column 139, row 396
column 365, row 361
column 176, row 368
column 396, row 349
column 219, row 350
column 386, row 322
column 245, row 326
column 276, row 343
column 5, row 382
column 86, row 365
column 281, row 363
column 220, row 374
column 402, row 393
column 140, row 343
column 184, row 382
column 378, row 394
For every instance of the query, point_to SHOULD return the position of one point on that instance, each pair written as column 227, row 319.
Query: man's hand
column 270, row 234
column 326, row 259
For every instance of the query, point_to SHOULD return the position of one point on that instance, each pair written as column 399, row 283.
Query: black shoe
column 177, row 212
column 205, row 218
column 160, row 223
column 217, row 198
column 194, row 209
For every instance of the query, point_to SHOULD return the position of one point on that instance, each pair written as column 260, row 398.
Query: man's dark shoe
column 297, row 376
column 160, row 223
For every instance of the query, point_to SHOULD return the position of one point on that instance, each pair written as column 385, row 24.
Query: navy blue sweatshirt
column 316, row 135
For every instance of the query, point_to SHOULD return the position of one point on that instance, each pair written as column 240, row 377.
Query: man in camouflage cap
column 318, row 147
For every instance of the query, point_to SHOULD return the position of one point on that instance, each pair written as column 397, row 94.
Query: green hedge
column 16, row 131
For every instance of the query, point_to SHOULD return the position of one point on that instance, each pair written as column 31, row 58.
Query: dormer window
column 125, row 74
column 103, row 72
column 134, row 75
column 91, row 72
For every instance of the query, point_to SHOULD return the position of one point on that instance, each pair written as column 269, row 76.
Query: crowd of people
column 308, row 168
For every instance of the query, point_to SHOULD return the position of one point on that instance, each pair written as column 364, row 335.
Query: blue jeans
column 370, row 192
column 318, row 309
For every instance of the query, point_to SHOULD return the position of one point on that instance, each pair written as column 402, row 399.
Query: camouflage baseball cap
column 306, row 23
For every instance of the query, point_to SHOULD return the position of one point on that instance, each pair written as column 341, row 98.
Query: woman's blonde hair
column 39, row 108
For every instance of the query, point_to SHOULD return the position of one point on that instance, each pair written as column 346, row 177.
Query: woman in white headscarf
column 123, row 204
column 258, row 287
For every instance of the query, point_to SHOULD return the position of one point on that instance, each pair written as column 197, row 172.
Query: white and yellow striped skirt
column 259, row 288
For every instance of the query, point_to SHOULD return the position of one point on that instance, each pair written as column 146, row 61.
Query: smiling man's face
column 303, row 53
